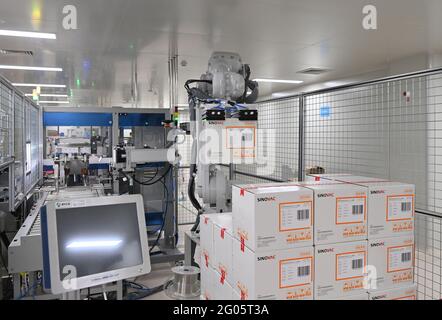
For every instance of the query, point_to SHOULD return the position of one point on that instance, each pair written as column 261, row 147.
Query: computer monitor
column 93, row 241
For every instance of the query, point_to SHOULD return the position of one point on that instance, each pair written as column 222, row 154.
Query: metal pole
column 301, row 139
column 12, row 194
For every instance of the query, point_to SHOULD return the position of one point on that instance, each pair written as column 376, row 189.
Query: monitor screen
column 98, row 239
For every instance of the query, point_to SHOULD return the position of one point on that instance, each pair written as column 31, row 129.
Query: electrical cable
column 148, row 183
column 193, row 95
column 143, row 291
column 153, row 177
column 4, row 263
column 6, row 243
column 164, row 218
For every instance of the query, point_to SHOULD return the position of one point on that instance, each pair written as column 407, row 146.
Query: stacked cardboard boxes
column 216, row 245
column 390, row 234
column 273, row 247
column 338, row 237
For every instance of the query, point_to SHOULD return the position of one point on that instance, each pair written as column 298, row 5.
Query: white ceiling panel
column 276, row 37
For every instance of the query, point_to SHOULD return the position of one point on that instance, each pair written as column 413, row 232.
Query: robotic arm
column 226, row 83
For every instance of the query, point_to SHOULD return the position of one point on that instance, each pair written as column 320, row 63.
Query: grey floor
column 161, row 273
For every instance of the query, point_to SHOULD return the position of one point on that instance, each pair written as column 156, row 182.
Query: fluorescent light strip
column 28, row 68
column 39, row 85
column 278, row 81
column 28, row 34
column 54, row 102
column 47, row 95
column 93, row 244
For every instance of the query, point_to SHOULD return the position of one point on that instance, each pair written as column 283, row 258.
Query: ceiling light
column 281, row 94
column 28, row 68
column 54, row 102
column 47, row 95
column 54, row 95
column 27, row 34
column 39, row 85
column 279, row 81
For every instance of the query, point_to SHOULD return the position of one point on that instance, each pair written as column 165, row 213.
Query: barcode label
column 247, row 137
column 350, row 210
column 358, row 209
column 357, row 264
column 295, row 272
column 406, row 256
column 350, row 265
column 303, row 271
column 400, row 207
column 400, row 258
column 304, row 214
column 295, row 216
column 405, row 206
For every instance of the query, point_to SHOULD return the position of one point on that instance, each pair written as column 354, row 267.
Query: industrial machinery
column 224, row 128
column 128, row 151
column 78, row 146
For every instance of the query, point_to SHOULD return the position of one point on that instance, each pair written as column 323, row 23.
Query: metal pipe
column 251, row 175
column 429, row 213
column 301, row 169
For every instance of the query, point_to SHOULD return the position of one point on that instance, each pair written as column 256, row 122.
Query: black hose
column 193, row 168
column 251, row 98
column 5, row 239
column 153, row 177
column 6, row 243
column 189, row 82
column 148, row 183
column 246, row 70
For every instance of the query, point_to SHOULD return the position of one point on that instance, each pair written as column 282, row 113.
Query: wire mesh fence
column 19, row 116
column 277, row 148
column 428, row 266
column 387, row 129
column 186, row 212
column 6, row 122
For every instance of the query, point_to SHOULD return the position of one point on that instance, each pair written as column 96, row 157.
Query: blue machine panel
column 77, row 119
column 128, row 120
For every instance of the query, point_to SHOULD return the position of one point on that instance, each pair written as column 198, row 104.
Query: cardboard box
column 223, row 246
column 236, row 295
column 206, row 282
column 340, row 212
column 339, row 270
column 222, row 290
column 272, row 216
column 390, row 206
column 206, row 238
column 206, row 235
column 392, row 260
column 276, row 274
column 402, row 293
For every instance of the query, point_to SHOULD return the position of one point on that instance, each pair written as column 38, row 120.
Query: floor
column 161, row 273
